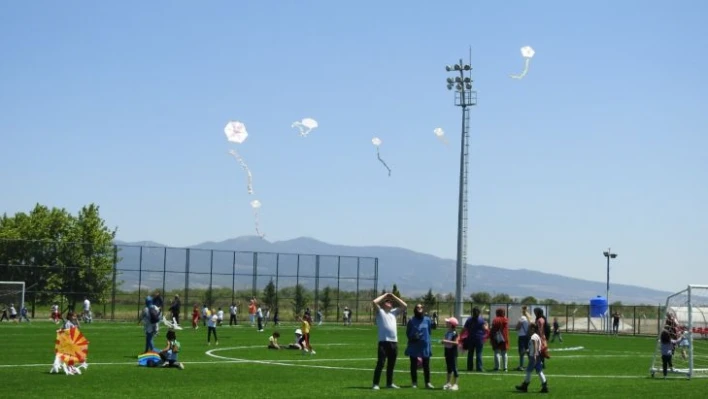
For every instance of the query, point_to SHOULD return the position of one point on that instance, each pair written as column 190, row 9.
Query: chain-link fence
column 630, row 320
column 117, row 279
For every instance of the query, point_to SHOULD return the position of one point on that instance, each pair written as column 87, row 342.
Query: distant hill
column 413, row 272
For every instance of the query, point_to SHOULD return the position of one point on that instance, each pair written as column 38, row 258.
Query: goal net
column 686, row 322
column 12, row 293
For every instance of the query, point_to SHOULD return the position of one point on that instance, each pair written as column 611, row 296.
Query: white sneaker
column 375, row 388
column 446, row 386
column 429, row 386
column 313, row 353
column 393, row 386
column 454, row 387
column 414, row 386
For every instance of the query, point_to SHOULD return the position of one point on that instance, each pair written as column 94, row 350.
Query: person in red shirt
column 499, row 335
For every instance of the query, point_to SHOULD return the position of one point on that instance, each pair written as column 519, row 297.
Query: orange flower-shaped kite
column 71, row 346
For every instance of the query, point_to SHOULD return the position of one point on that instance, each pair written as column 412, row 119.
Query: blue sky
column 602, row 144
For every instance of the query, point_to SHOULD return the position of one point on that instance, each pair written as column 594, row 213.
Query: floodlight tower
column 465, row 97
column 609, row 255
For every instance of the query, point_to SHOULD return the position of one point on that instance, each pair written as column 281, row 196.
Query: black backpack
column 154, row 315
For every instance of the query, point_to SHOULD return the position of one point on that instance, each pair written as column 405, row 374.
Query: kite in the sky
column 440, row 134
column 236, row 133
column 526, row 52
column 305, row 126
column 256, row 205
column 377, row 142
column 71, row 350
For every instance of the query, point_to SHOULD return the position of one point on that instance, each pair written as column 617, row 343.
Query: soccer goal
column 12, row 293
column 686, row 320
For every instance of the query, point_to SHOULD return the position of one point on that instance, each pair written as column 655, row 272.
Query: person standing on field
column 386, row 315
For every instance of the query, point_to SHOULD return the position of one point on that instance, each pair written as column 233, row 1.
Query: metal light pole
column 609, row 255
column 464, row 97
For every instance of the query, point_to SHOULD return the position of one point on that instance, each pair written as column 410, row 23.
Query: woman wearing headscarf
column 419, row 348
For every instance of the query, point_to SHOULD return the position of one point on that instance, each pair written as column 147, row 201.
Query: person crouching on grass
column 169, row 354
column 535, row 361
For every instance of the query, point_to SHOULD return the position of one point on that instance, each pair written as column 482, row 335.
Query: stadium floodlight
column 464, row 97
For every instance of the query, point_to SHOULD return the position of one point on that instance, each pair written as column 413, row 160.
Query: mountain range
column 414, row 273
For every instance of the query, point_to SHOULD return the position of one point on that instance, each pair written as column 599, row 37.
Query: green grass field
column 582, row 366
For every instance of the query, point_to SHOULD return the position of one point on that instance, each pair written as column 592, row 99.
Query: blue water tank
column 598, row 306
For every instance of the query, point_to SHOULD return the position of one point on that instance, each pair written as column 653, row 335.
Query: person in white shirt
column 259, row 316
column 232, row 310
column 386, row 315
column 87, row 310
column 535, row 360
column 13, row 313
column 522, row 329
column 220, row 316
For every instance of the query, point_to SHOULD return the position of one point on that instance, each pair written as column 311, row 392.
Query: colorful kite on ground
column 70, row 348
column 149, row 359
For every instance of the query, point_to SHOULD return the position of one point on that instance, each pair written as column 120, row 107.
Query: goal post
column 686, row 322
column 13, row 293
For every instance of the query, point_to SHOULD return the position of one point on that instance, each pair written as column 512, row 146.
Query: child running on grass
column 305, row 327
column 535, row 361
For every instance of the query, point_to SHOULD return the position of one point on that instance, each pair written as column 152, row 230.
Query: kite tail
column 378, row 155
column 257, row 223
column 524, row 72
column 245, row 168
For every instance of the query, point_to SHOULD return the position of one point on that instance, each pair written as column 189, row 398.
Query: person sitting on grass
column 298, row 340
column 169, row 354
column 273, row 341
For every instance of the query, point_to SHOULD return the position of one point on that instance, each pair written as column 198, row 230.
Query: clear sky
column 602, row 144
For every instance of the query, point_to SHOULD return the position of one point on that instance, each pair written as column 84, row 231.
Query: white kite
column 305, row 126
column 171, row 324
column 440, row 134
column 377, row 142
column 256, row 205
column 526, row 52
column 236, row 133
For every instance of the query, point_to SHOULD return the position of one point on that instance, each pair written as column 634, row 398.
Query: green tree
column 326, row 300
column 395, row 291
column 57, row 253
column 481, row 297
column 502, row 298
column 269, row 295
column 429, row 301
column 300, row 300
column 529, row 300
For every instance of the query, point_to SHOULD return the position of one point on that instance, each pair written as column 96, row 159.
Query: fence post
column 339, row 277
column 277, row 277
column 358, row 262
column 255, row 274
column 233, row 280
column 317, row 283
column 210, row 296
column 164, row 271
column 140, row 279
column 115, row 275
column 186, row 281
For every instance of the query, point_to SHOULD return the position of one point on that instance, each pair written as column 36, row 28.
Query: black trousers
column 388, row 352
column 233, row 320
column 414, row 370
